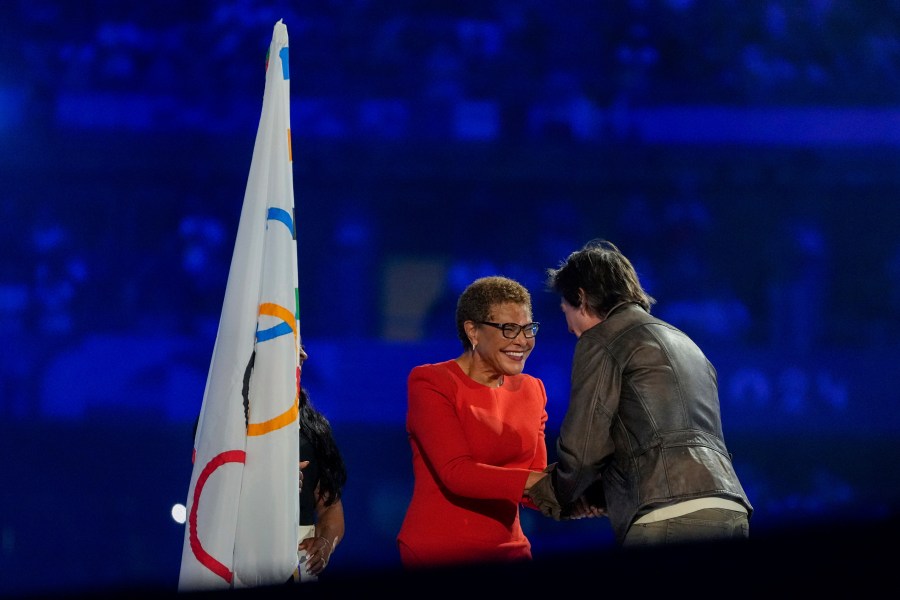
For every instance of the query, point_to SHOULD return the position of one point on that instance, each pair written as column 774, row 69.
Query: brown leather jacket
column 643, row 428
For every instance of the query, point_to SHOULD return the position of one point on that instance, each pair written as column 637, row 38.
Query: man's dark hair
column 604, row 273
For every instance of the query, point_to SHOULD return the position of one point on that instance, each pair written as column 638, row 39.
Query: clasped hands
column 583, row 509
column 542, row 494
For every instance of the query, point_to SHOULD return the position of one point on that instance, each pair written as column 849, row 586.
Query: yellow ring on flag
column 282, row 420
column 274, row 310
column 288, row 416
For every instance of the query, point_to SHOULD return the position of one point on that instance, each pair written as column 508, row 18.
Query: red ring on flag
column 205, row 558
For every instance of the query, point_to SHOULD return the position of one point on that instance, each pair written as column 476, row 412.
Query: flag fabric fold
column 242, row 503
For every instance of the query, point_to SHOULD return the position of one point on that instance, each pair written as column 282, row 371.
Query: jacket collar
column 618, row 307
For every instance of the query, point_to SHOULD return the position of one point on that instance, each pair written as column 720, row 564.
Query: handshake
column 592, row 502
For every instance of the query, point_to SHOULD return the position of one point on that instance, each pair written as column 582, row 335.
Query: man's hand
column 583, row 509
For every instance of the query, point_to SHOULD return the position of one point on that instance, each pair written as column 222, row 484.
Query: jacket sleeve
column 543, row 497
column 435, row 427
column 585, row 441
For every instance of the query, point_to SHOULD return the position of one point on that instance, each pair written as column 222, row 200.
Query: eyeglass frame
column 534, row 326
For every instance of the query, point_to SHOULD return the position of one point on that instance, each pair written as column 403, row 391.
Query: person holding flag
column 322, row 481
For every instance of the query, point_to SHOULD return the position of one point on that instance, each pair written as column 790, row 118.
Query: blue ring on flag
column 273, row 332
column 282, row 216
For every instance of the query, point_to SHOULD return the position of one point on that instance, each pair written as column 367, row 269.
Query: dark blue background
column 746, row 156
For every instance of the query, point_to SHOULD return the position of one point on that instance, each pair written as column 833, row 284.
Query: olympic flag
column 242, row 500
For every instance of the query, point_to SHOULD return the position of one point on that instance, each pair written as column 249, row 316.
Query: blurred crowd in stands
column 439, row 69
column 760, row 265
column 434, row 142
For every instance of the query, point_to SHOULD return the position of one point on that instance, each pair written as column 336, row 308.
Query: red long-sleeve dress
column 472, row 449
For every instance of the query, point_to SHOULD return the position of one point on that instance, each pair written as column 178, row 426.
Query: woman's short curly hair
column 483, row 295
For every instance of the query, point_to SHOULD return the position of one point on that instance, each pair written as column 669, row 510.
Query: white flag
column 243, row 497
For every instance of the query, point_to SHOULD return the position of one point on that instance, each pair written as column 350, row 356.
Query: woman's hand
column 303, row 465
column 318, row 552
column 533, row 478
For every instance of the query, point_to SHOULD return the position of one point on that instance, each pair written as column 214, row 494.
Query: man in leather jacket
column 642, row 439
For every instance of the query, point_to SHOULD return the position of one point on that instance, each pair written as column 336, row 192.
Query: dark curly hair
column 604, row 273
column 484, row 294
column 317, row 429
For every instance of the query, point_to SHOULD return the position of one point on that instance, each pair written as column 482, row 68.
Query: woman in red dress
column 476, row 429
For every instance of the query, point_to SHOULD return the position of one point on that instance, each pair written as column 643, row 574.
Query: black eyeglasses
column 511, row 330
